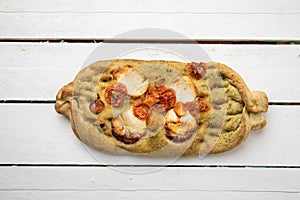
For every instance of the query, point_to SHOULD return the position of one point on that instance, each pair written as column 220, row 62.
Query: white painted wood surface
column 162, row 179
column 50, row 140
column 40, row 158
column 189, row 6
column 43, row 68
column 149, row 194
column 195, row 19
column 207, row 26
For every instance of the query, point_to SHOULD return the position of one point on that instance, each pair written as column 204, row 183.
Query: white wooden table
column 44, row 44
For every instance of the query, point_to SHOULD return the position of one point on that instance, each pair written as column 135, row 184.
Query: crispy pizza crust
column 233, row 111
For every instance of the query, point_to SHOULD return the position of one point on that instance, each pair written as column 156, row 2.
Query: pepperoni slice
column 166, row 100
column 115, row 94
column 170, row 97
column 161, row 104
column 97, row 106
column 149, row 99
column 141, row 111
column 196, row 70
column 160, row 98
column 157, row 90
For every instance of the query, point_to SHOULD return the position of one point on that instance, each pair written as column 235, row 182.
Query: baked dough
column 161, row 108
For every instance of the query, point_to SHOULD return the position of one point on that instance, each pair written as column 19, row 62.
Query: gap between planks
column 163, row 41
column 80, row 194
column 150, row 166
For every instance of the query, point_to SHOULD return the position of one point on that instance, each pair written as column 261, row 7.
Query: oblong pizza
column 161, row 108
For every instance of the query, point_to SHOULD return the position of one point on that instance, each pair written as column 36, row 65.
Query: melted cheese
column 185, row 89
column 180, row 125
column 134, row 80
column 128, row 124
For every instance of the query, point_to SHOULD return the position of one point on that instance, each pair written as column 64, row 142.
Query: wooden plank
column 35, row 134
column 145, row 179
column 192, row 6
column 101, row 25
column 149, row 194
column 43, row 68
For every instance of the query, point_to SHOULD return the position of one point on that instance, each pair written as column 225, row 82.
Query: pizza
column 161, row 108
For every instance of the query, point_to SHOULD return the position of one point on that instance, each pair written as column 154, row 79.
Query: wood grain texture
column 32, row 135
column 149, row 194
column 35, row 134
column 43, row 68
column 162, row 179
column 198, row 26
column 190, row 6
column 201, row 20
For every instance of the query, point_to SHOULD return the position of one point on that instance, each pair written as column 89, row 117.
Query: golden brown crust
column 63, row 100
column 232, row 111
column 255, row 101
